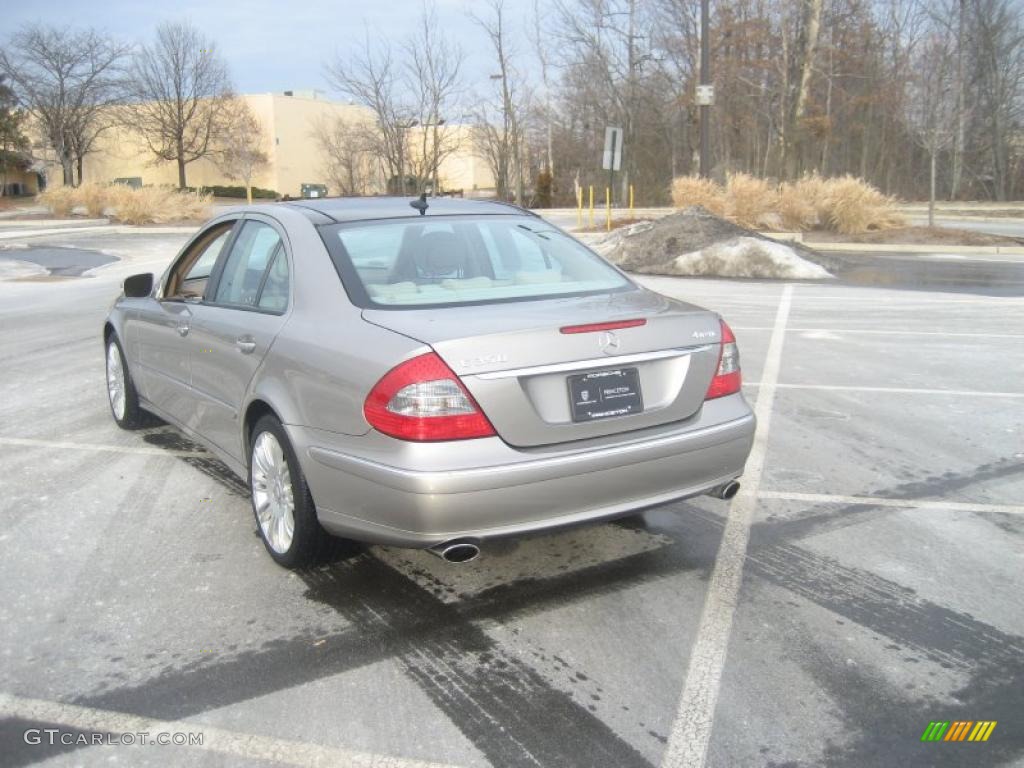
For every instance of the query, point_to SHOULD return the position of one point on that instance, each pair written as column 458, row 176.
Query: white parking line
column 691, row 730
column 904, row 300
column 890, row 390
column 28, row 442
column 878, row 332
column 881, row 501
column 245, row 745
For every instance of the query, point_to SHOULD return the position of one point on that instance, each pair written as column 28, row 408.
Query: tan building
column 289, row 121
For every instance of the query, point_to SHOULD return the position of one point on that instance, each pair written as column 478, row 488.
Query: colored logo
column 958, row 730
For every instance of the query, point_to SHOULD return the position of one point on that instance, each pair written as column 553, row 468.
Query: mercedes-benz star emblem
column 608, row 342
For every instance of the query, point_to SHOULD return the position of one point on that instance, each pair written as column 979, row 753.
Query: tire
column 121, row 393
column 272, row 490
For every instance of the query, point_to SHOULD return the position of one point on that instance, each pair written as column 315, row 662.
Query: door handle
column 183, row 329
column 246, row 344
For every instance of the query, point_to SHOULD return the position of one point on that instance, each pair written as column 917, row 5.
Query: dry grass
column 157, row 205
column 751, row 202
column 693, row 190
column 797, row 204
column 59, row 200
column 853, row 206
column 148, row 205
column 94, row 197
column 845, row 205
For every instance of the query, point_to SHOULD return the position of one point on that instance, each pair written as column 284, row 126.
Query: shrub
column 59, row 200
column 236, row 191
column 157, row 205
column 693, row 190
column 94, row 197
column 545, row 184
column 846, row 205
column 798, row 210
column 852, row 206
column 751, row 202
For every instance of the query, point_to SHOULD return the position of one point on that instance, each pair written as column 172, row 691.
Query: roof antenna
column 420, row 204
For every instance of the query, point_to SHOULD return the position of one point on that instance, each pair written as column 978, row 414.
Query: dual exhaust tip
column 467, row 550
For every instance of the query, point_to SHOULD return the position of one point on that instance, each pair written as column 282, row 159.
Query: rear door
column 243, row 311
column 536, row 367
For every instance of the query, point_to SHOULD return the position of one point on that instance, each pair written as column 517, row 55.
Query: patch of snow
column 749, row 257
column 13, row 269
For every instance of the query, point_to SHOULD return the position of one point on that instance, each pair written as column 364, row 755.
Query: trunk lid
column 515, row 360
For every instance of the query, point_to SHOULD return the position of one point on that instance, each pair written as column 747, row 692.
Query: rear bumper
column 376, row 489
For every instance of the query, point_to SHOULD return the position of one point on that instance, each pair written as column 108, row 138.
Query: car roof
column 339, row 209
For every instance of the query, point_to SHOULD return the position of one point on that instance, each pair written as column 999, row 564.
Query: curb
column 916, row 248
column 118, row 229
column 52, row 223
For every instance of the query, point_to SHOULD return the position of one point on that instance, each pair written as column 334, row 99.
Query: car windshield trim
column 360, row 296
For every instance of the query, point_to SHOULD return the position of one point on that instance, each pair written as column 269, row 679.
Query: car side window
column 204, row 264
column 254, row 250
column 274, row 295
column 190, row 274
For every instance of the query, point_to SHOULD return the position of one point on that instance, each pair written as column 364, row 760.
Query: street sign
column 612, row 160
column 705, row 95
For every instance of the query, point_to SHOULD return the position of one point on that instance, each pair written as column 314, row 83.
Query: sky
column 275, row 45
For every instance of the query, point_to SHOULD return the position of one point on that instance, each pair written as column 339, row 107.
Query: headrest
column 440, row 253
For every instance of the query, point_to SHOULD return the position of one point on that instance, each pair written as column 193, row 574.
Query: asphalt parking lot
column 866, row 581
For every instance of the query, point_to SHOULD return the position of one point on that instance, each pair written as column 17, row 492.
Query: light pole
column 510, row 126
column 705, row 79
column 403, row 126
column 438, row 122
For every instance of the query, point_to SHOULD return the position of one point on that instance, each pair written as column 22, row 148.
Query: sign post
column 612, row 160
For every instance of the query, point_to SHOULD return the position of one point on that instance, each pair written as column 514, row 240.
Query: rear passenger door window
column 257, row 264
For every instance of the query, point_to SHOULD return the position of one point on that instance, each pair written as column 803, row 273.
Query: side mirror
column 138, row 286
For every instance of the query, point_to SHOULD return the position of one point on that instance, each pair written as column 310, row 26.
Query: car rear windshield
column 463, row 260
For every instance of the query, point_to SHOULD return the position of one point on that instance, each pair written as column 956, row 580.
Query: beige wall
column 462, row 168
column 289, row 123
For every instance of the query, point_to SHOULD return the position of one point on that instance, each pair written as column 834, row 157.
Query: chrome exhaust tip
column 726, row 491
column 456, row 551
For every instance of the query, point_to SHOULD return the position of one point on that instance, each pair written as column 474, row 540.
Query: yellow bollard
column 608, row 208
column 579, row 207
column 631, row 201
column 591, row 206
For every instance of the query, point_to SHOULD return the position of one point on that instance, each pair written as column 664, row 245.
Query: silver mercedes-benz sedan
column 426, row 374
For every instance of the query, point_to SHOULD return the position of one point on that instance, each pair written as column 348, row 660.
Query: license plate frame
column 604, row 394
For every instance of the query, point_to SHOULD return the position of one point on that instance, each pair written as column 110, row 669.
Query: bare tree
column 999, row 42
column 416, row 86
column 369, row 78
column 801, row 66
column 180, row 96
column 932, row 102
column 540, row 39
column 501, row 145
column 66, row 80
column 433, row 76
column 347, row 147
column 241, row 154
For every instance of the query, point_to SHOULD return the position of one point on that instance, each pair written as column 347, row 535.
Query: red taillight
column 422, row 399
column 610, row 326
column 727, row 376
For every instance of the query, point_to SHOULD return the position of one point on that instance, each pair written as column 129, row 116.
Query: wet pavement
column 879, row 589
column 938, row 272
column 59, row 261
